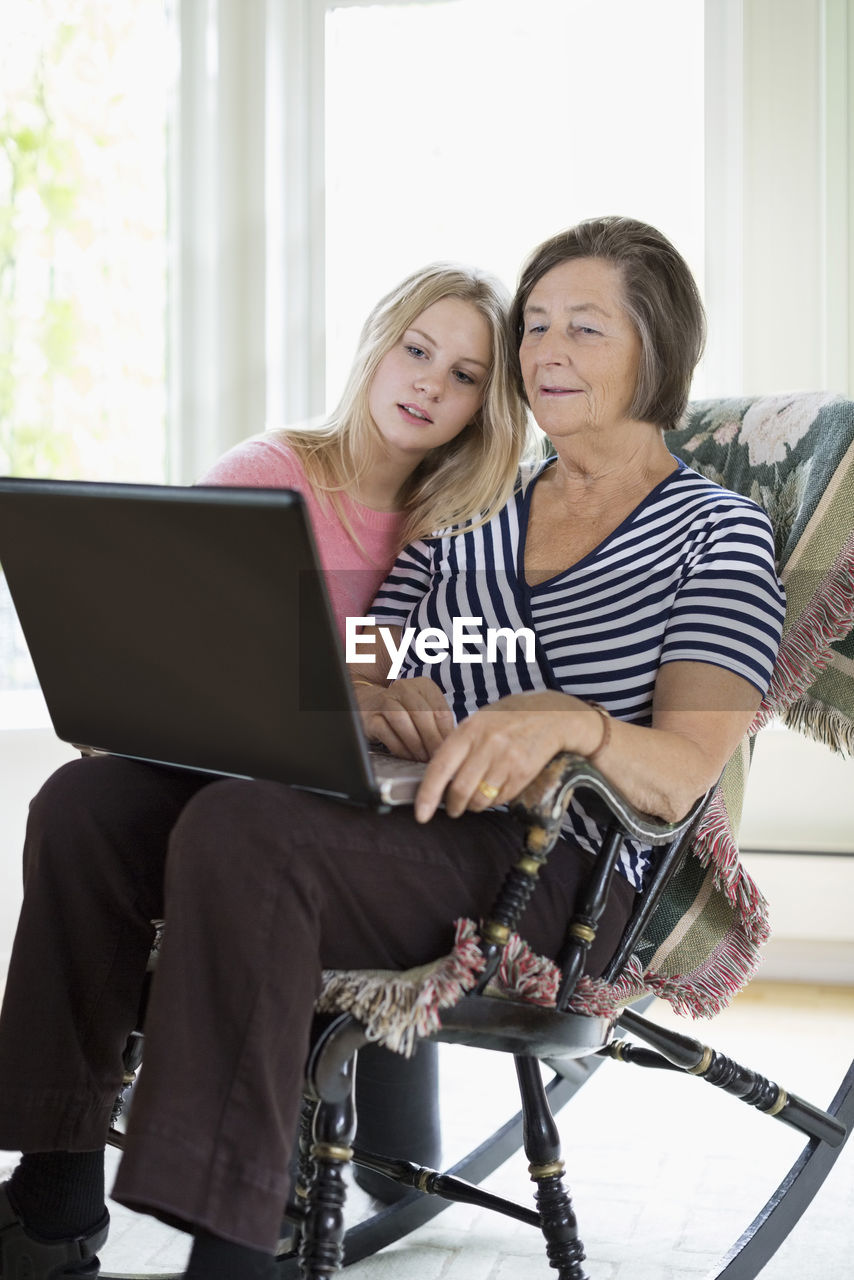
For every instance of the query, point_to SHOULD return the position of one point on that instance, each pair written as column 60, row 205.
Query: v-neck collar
column 525, row 515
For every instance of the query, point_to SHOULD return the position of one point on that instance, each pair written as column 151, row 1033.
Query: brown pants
column 263, row 887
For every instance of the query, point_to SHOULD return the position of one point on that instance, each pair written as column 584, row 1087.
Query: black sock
column 213, row 1258
column 59, row 1194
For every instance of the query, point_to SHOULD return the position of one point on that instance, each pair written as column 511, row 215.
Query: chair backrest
column 794, row 455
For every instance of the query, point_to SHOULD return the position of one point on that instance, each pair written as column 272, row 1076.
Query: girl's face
column 431, row 383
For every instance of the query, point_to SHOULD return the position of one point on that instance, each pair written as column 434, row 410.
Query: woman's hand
column 495, row 753
column 409, row 717
column 700, row 714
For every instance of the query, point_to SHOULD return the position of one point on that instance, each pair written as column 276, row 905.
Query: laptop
column 190, row 627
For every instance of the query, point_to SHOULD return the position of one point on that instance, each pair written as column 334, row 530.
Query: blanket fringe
column 526, row 975
column 714, row 844
column 599, row 999
column 821, row 723
column 704, row 993
column 805, row 652
column 398, row 1008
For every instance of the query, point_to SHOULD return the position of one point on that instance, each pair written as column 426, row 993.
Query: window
column 83, row 198
column 84, row 97
column 475, row 129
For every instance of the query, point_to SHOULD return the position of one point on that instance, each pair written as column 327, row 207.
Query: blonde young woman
column 429, row 432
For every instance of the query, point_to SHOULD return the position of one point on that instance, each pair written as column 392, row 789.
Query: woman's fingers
column 485, row 761
column 418, row 713
column 431, row 717
column 408, row 726
column 491, row 757
column 382, row 732
column 411, row 717
column 465, row 773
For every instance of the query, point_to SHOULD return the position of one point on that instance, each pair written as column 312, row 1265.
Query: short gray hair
column 660, row 296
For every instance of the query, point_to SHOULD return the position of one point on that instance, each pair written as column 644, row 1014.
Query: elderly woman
column 651, row 590
column 656, row 612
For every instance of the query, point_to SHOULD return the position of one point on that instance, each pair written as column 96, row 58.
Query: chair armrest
column 543, row 803
column 541, row 807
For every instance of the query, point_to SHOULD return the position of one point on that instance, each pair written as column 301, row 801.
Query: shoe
column 26, row 1257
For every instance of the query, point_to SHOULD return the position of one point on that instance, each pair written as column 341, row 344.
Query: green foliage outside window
column 83, row 102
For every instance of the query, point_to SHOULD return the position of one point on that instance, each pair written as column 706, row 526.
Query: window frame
column 247, row 338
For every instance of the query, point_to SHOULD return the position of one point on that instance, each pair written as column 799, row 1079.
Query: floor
column 665, row 1172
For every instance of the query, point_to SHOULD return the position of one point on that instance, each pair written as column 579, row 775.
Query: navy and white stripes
column 689, row 575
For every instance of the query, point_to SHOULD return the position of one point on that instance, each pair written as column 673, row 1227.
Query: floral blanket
column 794, row 455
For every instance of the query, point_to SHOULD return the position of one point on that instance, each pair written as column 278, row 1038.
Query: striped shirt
column 688, row 576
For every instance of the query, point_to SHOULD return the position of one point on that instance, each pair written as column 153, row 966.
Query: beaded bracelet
column 606, row 730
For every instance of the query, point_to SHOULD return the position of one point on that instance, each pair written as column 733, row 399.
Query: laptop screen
column 185, row 626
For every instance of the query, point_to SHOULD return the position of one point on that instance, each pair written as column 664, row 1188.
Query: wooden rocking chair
column 695, row 937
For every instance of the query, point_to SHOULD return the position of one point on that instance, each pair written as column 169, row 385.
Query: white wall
column 799, row 797
column 779, row 187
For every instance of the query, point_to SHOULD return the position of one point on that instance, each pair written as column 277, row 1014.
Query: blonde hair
column 465, row 480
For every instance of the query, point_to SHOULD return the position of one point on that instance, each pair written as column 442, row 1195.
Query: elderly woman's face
column 580, row 351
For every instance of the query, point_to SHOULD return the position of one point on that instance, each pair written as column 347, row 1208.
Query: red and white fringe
column 805, row 652
column 398, row 1008
column 524, row 974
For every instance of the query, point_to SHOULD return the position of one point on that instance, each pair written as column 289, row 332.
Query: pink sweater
column 353, row 576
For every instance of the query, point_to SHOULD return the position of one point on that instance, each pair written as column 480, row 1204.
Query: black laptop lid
column 186, row 626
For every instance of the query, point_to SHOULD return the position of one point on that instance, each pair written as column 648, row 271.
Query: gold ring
column 487, row 790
